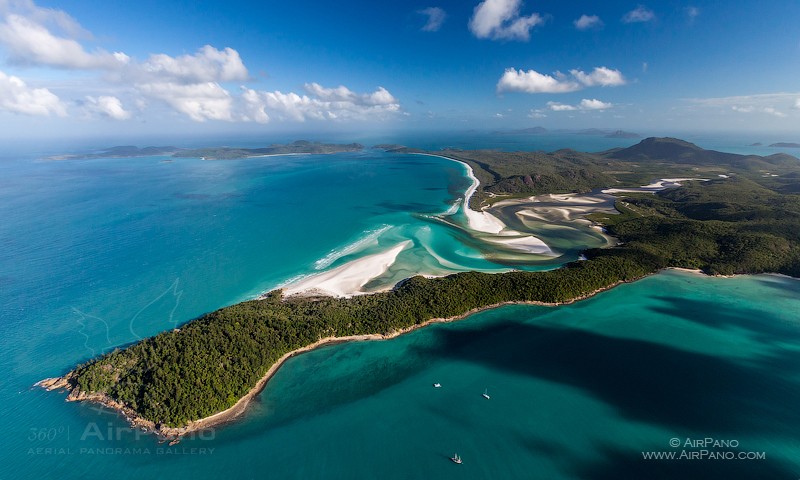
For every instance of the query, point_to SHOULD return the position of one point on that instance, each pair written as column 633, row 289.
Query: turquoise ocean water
column 99, row 253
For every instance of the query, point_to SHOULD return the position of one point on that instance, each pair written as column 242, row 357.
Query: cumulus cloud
column 585, row 105
column 532, row 81
column 501, row 20
column 17, row 97
column 536, row 114
column 318, row 103
column 207, row 65
column 199, row 101
column 514, row 80
column 436, row 17
column 190, row 84
column 594, row 104
column 560, row 107
column 30, row 42
column 106, row 106
column 586, row 22
column 600, row 76
column 639, row 14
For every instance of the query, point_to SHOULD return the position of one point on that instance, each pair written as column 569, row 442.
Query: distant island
column 297, row 147
column 757, row 144
column 388, row 147
column 785, row 145
column 737, row 220
column 121, row 151
column 215, row 153
column 608, row 133
column 522, row 131
column 623, row 134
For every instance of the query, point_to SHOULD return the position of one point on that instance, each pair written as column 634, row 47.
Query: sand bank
column 348, row 279
column 655, row 186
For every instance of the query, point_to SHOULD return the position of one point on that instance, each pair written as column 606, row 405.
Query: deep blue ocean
column 97, row 254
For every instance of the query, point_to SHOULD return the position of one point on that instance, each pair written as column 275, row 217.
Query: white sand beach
column 655, row 186
column 348, row 279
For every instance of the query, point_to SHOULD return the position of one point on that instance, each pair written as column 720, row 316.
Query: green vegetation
column 745, row 224
column 299, row 146
column 210, row 363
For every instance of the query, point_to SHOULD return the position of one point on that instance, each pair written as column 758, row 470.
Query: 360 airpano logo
column 707, row 448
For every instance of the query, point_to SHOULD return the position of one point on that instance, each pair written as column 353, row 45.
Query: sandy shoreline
column 228, row 415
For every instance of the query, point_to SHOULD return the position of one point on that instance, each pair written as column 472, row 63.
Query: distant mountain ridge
column 681, row 151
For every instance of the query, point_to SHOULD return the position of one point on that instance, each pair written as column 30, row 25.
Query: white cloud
column 536, row 114
column 773, row 111
column 17, row 97
column 57, row 19
column 106, row 106
column 692, row 13
column 600, row 76
column 639, row 14
column 207, row 65
column 644, row 67
column 585, row 22
column 319, row 103
column 774, row 104
column 584, row 105
column 754, row 109
column 436, row 17
column 501, row 20
column 560, row 107
column 594, row 104
column 199, row 101
column 534, row 82
column 29, row 42
column 190, row 84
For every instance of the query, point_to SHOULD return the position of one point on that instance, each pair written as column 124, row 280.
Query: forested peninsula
column 743, row 218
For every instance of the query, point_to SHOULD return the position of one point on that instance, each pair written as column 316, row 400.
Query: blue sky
column 105, row 67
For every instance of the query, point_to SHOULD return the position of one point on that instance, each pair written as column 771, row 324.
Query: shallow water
column 100, row 253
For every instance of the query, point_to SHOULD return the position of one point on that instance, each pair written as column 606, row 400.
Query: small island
column 623, row 134
column 215, row 153
column 785, row 145
column 120, row 151
column 206, row 372
column 295, row 148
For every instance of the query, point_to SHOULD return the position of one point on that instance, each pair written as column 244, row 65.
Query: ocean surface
column 100, row 253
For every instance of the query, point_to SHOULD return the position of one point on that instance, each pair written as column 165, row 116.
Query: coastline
column 478, row 220
column 225, row 416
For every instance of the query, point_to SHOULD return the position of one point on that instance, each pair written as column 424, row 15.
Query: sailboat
column 456, row 459
column 486, row 394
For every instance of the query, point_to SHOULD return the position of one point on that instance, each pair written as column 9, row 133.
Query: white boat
column 456, row 459
column 486, row 394
column 437, row 385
